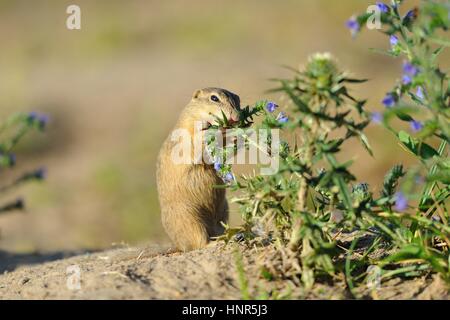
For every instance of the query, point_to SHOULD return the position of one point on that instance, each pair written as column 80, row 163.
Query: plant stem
column 302, row 195
column 430, row 186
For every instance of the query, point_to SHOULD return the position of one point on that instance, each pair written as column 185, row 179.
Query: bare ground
column 157, row 273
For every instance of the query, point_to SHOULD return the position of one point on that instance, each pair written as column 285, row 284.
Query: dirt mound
column 155, row 273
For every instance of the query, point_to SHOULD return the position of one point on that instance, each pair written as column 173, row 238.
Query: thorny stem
column 302, row 195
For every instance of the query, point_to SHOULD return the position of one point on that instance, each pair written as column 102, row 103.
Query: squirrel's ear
column 196, row 94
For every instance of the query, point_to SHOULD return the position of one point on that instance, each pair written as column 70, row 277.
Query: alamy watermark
column 373, row 280
column 73, row 274
column 73, row 21
column 374, row 20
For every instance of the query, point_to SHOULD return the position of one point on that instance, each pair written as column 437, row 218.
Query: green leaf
column 350, row 80
column 420, row 149
column 437, row 52
column 410, row 251
column 440, row 41
column 266, row 274
column 303, row 107
column 401, row 112
column 404, row 116
column 390, row 181
column 365, row 143
column 407, row 141
column 441, row 176
column 344, row 192
column 384, row 52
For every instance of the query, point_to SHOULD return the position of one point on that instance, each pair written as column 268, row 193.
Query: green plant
column 11, row 132
column 314, row 198
column 422, row 99
column 294, row 205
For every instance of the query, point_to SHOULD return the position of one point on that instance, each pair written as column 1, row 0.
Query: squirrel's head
column 209, row 103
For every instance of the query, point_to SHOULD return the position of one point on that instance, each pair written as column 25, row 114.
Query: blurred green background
column 114, row 89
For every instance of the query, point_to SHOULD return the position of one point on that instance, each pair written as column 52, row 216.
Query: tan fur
column 191, row 208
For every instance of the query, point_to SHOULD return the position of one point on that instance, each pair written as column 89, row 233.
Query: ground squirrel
column 192, row 209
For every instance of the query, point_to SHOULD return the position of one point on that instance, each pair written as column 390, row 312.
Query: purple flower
column 376, row 117
column 419, row 93
column 410, row 69
column 416, row 126
column 40, row 119
column 436, row 218
column 229, row 177
column 389, row 100
column 401, row 203
column 419, row 179
column 383, row 7
column 32, row 116
column 353, row 25
column 43, row 120
column 217, row 166
column 40, row 173
column 410, row 15
column 282, row 117
column 406, row 79
column 270, row 107
column 409, row 72
column 393, row 40
column 12, row 159
column 19, row 204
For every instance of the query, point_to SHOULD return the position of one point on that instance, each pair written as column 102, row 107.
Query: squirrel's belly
column 193, row 185
column 203, row 183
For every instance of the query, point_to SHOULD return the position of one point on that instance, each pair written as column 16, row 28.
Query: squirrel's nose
column 234, row 119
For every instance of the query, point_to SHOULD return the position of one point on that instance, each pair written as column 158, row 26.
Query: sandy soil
column 156, row 273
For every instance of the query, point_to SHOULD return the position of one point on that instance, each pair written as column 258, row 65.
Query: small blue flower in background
column 383, row 7
column 229, row 177
column 410, row 15
column 419, row 93
column 12, row 159
column 401, row 203
column 389, row 100
column 40, row 119
column 436, row 218
column 376, row 117
column 416, row 126
column 409, row 72
column 353, row 25
column 20, row 204
column 40, row 173
column 43, row 120
column 410, row 69
column 32, row 116
column 282, row 117
column 406, row 79
column 217, row 166
column 393, row 40
column 270, row 107
column 419, row 179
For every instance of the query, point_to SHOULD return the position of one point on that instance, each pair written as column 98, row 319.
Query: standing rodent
column 192, row 209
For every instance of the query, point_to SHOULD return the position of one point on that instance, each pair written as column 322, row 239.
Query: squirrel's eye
column 214, row 98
